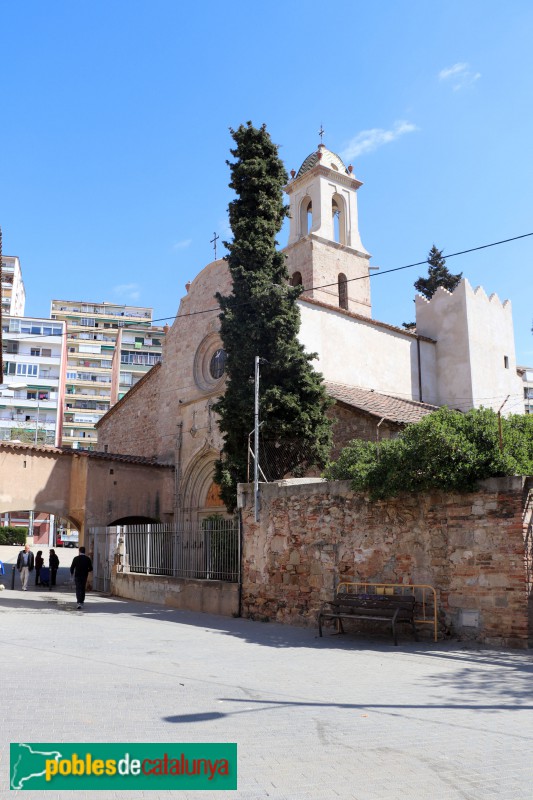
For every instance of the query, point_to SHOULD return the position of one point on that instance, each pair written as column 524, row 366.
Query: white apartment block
column 31, row 394
column 526, row 373
column 92, row 332
column 138, row 350
column 13, row 293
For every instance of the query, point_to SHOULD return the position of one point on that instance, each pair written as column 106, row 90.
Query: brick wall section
column 132, row 425
column 470, row 547
column 348, row 424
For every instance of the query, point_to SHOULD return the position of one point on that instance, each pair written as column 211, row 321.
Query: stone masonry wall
column 132, row 426
column 469, row 547
column 349, row 423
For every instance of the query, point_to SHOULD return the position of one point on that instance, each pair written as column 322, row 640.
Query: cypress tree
column 438, row 275
column 261, row 318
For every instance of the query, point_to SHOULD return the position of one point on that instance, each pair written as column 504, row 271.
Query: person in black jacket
column 25, row 563
column 53, row 563
column 39, row 562
column 80, row 568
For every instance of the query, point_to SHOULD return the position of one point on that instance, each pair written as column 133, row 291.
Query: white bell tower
column 324, row 248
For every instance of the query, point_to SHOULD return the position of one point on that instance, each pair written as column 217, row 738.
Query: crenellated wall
column 475, row 351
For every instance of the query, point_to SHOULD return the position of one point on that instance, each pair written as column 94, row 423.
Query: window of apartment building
column 30, row 370
column 87, row 322
column 35, row 351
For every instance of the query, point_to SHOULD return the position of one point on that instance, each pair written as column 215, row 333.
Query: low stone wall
column 470, row 547
column 212, row 597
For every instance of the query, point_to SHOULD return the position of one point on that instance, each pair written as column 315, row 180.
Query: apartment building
column 31, row 394
column 526, row 373
column 13, row 293
column 138, row 349
column 92, row 333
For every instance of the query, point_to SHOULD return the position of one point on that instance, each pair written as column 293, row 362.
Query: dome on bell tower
column 325, row 158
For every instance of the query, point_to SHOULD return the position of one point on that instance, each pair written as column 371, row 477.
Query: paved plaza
column 314, row 719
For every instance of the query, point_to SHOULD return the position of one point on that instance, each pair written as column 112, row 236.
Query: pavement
column 349, row 717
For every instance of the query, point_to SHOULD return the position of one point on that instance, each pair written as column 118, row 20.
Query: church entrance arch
column 200, row 495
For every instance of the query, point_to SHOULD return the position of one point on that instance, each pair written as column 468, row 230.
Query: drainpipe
column 177, row 470
column 419, row 369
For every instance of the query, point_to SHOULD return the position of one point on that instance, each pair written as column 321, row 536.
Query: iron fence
column 206, row 551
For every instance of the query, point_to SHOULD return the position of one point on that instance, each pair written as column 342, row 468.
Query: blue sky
column 115, row 133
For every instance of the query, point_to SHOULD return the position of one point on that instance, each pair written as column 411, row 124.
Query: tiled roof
column 393, row 409
column 326, row 159
column 18, row 447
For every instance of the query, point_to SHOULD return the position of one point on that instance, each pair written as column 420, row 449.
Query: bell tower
column 324, row 248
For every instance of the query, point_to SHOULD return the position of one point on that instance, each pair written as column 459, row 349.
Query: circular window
column 217, row 365
column 210, row 363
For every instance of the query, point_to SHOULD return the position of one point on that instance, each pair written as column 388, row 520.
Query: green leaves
column 447, row 450
column 261, row 318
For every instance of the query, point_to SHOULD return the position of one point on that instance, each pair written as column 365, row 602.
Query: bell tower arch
column 324, row 246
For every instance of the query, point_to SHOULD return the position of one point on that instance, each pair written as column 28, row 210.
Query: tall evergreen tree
column 438, row 275
column 260, row 318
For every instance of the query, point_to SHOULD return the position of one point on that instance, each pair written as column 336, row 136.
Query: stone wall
column 210, row 597
column 350, row 423
column 469, row 547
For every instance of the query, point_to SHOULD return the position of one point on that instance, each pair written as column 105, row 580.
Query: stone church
column 381, row 377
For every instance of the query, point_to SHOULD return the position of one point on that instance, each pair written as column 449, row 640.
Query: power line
column 304, row 290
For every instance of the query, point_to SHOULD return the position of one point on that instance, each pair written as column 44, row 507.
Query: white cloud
column 182, row 245
column 128, row 291
column 459, row 75
column 370, row 140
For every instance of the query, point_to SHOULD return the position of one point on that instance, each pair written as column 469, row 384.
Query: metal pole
column 256, row 440
column 500, row 422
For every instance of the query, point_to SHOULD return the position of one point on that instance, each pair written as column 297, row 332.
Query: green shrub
column 9, row 534
column 446, row 450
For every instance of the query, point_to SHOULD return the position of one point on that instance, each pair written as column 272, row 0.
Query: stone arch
column 197, row 495
column 296, row 279
column 338, row 212
column 306, row 215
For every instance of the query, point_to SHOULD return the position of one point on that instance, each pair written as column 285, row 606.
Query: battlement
column 475, row 345
column 463, row 292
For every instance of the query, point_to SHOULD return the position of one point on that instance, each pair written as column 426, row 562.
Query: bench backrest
column 376, row 601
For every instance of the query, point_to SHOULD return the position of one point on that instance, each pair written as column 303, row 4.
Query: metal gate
column 210, row 550
column 102, row 544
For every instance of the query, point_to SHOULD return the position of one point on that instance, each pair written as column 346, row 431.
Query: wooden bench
column 390, row 608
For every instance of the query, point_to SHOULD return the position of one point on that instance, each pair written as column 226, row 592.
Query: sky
column 116, row 122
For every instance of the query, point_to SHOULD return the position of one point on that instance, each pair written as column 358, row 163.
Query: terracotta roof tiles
column 393, row 409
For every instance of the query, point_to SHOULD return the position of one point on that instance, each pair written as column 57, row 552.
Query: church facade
column 381, row 377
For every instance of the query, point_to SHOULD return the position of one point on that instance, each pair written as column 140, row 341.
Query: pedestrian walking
column 25, row 564
column 53, row 563
column 80, row 568
column 39, row 562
